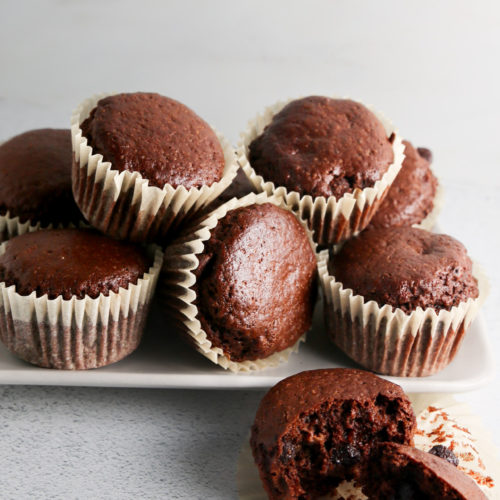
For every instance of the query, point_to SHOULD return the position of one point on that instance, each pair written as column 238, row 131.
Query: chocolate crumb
column 346, row 455
column 443, row 452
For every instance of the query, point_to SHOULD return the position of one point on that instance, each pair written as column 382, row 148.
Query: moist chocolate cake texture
column 321, row 146
column 158, row 137
column 256, row 282
column 403, row 472
column 317, row 428
column 406, row 268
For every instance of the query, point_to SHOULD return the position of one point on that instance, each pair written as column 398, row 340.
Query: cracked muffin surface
column 321, row 146
column 406, row 268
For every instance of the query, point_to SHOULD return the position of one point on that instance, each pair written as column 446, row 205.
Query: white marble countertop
column 430, row 66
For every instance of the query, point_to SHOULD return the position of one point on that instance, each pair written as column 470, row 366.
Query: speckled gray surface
column 82, row 443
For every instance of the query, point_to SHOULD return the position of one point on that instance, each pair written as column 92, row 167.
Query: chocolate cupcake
column 317, row 428
column 332, row 160
column 35, row 182
column 242, row 284
column 144, row 162
column 443, row 429
column 400, row 471
column 400, row 299
column 411, row 198
column 73, row 298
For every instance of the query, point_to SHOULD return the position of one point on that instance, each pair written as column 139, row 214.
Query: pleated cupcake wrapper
column 484, row 454
column 391, row 342
column 177, row 279
column 61, row 331
column 12, row 226
column 123, row 204
column 332, row 220
column 430, row 221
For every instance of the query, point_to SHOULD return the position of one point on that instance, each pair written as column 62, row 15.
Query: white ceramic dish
column 164, row 361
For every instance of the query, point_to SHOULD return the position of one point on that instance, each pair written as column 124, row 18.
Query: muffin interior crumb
column 334, row 442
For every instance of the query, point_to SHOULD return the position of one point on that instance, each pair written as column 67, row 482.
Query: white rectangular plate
column 163, row 360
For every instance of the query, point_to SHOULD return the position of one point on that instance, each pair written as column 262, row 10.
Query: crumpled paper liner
column 430, row 221
column 478, row 442
column 77, row 334
column 123, row 204
column 177, row 278
column 391, row 342
column 332, row 220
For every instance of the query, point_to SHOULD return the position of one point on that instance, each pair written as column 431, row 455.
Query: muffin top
column 256, row 282
column 406, row 268
column 156, row 136
column 35, row 177
column 411, row 196
column 308, row 390
column 320, row 146
column 406, row 472
column 70, row 262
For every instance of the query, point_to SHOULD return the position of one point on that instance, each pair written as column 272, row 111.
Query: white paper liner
column 331, row 220
column 430, row 221
column 123, row 204
column 12, row 226
column 61, row 331
column 391, row 342
column 250, row 486
column 177, row 279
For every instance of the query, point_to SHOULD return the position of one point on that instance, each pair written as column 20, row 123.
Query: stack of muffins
column 398, row 299
column 76, row 294
column 141, row 188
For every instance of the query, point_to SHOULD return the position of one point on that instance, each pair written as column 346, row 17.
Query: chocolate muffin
column 70, row 263
column 411, row 196
column 321, row 146
column 61, row 313
column 406, row 268
column 158, row 137
column 35, row 178
column 256, row 282
column 319, row 427
column 400, row 472
column 399, row 300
